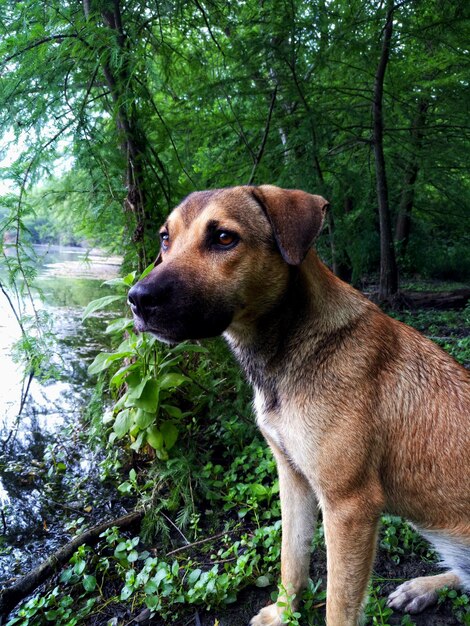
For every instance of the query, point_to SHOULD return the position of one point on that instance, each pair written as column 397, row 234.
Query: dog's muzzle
column 175, row 310
column 144, row 298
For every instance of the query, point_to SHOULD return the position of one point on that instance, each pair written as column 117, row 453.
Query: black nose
column 146, row 296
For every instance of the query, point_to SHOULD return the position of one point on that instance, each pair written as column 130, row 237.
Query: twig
column 259, row 156
column 175, row 527
column 200, row 542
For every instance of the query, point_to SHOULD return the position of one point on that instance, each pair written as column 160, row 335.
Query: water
column 48, row 473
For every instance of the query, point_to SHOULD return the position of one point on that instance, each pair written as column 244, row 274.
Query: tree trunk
column 131, row 141
column 388, row 285
column 403, row 224
column 342, row 265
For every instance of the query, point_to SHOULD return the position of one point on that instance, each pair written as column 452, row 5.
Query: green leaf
column 104, row 359
column 174, row 411
column 132, row 556
column 126, row 592
column 193, row 576
column 259, row 490
column 119, row 376
column 89, row 582
column 136, row 445
column 172, row 380
column 79, row 567
column 170, row 434
column 147, row 270
column 121, row 280
column 144, row 418
column 51, row 615
column 123, row 423
column 101, row 303
column 262, row 581
column 188, row 347
column 136, row 385
column 148, row 398
column 119, row 325
column 154, row 438
column 66, row 575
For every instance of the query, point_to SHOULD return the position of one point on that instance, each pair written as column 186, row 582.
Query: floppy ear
column 296, row 218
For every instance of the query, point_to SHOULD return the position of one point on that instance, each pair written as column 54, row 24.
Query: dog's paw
column 413, row 596
column 269, row 616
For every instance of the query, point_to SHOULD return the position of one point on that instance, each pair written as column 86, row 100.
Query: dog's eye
column 165, row 240
column 225, row 239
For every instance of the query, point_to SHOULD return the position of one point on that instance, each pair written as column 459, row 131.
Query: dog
column 362, row 413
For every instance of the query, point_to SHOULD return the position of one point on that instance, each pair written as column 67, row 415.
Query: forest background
column 112, row 111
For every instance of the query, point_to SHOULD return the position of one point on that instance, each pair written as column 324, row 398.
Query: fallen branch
column 442, row 300
column 11, row 596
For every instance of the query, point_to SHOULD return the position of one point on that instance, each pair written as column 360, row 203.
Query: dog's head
column 224, row 258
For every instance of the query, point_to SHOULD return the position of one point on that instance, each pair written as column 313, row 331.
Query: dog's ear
column 296, row 218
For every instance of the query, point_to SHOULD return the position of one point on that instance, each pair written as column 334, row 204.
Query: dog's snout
column 145, row 296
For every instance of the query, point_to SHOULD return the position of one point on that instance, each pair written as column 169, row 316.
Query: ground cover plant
column 180, row 433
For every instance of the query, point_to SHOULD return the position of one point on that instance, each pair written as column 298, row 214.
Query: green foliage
column 53, row 607
column 445, row 328
column 460, row 604
column 398, row 538
column 143, row 383
column 136, row 107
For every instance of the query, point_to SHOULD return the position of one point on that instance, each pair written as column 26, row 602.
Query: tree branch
column 259, row 156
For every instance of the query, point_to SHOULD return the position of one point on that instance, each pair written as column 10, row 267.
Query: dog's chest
column 285, row 427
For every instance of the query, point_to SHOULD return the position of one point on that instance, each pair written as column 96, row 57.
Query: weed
column 398, row 538
column 460, row 604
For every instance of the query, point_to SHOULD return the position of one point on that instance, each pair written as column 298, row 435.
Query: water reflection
column 46, row 468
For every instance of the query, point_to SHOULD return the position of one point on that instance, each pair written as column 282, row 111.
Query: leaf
column 188, row 347
column 262, row 581
column 259, row 490
column 173, row 411
column 154, row 438
column 123, row 423
column 136, row 385
column 144, row 418
column 126, row 592
column 100, row 303
column 172, row 380
column 136, row 445
column 119, row 325
column 103, row 360
column 193, row 576
column 121, row 280
column 79, row 567
column 119, row 376
column 170, row 434
column 147, row 270
column 132, row 556
column 148, row 398
column 66, row 575
column 89, row 582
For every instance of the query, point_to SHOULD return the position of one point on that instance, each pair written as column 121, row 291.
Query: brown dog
column 362, row 413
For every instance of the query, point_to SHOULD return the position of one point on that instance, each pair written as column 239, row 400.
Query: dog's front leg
column 351, row 534
column 299, row 514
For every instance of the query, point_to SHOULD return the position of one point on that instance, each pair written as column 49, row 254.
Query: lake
column 49, row 474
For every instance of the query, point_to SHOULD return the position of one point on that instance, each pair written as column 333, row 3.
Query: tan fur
column 362, row 413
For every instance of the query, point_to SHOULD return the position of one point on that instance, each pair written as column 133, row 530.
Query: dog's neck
column 314, row 304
